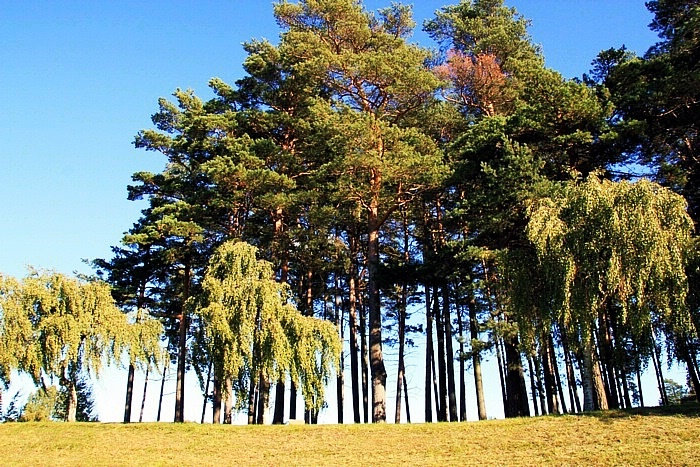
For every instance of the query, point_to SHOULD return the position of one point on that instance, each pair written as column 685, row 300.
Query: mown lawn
column 649, row 437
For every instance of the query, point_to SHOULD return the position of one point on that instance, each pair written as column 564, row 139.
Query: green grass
column 648, row 437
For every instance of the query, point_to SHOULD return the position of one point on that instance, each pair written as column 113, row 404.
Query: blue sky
column 78, row 79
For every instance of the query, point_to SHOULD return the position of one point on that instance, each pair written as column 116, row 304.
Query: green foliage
column 41, row 406
column 253, row 332
column 674, row 391
column 602, row 242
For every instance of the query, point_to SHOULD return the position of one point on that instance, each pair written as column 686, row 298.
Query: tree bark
column 441, row 402
column 278, row 417
column 364, row 360
column 502, row 376
column 143, row 398
column 557, row 376
column 206, row 393
column 162, row 387
column 428, row 356
column 462, row 382
column 533, row 387
column 515, row 377
column 263, row 400
column 352, row 309
column 292, row 401
column 129, row 393
column 447, row 323
column 476, row 361
column 376, row 356
column 71, row 401
column 216, row 402
column 182, row 351
column 228, row 402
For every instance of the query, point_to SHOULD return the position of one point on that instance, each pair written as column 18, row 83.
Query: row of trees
column 471, row 194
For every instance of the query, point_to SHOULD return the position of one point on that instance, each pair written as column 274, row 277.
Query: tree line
column 352, row 181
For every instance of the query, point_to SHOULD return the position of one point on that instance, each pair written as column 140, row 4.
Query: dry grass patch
column 650, row 437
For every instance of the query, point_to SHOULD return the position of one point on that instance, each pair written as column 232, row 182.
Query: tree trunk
column 462, row 382
column 639, row 378
column 450, row 356
column 292, row 401
column 502, row 377
column 476, row 361
column 540, row 385
column 340, row 379
column 352, row 305
column 690, row 363
column 129, row 393
column 364, row 360
column 400, row 373
column 228, row 402
column 593, row 391
column 549, row 380
column 216, row 402
column 441, row 402
column 515, row 377
column 533, row 386
column 143, row 399
column 557, row 376
column 278, row 417
column 162, row 387
column 71, row 401
column 252, row 399
column 428, row 356
column 375, row 317
column 656, row 359
column 206, row 393
column 570, row 375
column 263, row 400
column 405, row 395
column 182, row 351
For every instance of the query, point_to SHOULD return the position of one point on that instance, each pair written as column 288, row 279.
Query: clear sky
column 79, row 79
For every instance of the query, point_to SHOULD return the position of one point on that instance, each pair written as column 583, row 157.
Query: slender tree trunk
column 606, row 353
column 656, row 358
column 252, row 399
column 476, row 361
column 143, row 398
column 228, row 402
column 501, row 375
column 182, row 351
column 365, row 361
column 402, row 322
column 639, row 378
column 690, row 363
column 533, row 387
column 405, row 395
column 450, row 356
column 162, row 387
column 570, row 375
column 340, row 379
column 278, row 417
column 216, row 402
column 549, row 380
column 206, row 393
column 292, row 401
column 462, row 382
column 594, row 397
column 557, row 376
column 129, row 393
column 352, row 308
column 540, row 384
column 626, row 391
column 442, row 370
column 263, row 400
column 428, row 356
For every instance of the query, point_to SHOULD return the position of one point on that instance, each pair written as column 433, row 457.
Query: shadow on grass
column 689, row 409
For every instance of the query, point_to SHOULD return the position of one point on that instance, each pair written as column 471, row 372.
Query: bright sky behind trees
column 78, row 79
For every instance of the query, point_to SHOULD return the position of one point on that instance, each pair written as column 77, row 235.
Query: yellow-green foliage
column 40, row 405
column 252, row 330
column 51, row 322
column 627, row 242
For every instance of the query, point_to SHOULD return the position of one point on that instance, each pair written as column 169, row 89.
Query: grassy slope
column 649, row 437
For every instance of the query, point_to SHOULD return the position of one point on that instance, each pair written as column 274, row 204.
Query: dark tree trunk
column 206, row 393
column 533, row 387
column 278, row 417
column 502, row 377
column 340, row 379
column 162, row 387
column 292, row 401
column 462, row 382
column 428, row 356
column 182, row 351
column 263, row 400
column 129, row 393
column 549, row 380
column 557, row 376
column 570, row 375
column 690, row 363
column 216, row 402
column 252, row 401
column 441, row 402
column 143, row 398
column 405, row 395
column 352, row 305
column 540, row 385
column 450, row 356
column 515, row 377
column 364, row 361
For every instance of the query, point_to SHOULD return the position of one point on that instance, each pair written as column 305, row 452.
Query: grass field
column 648, row 437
